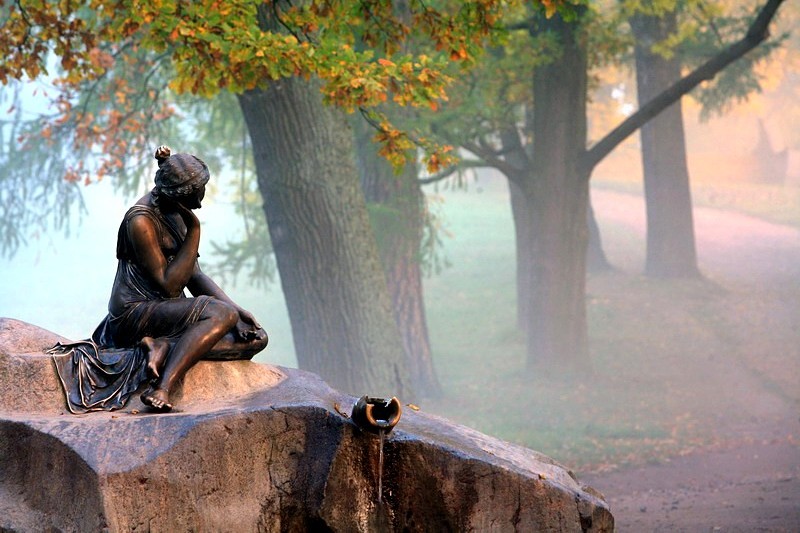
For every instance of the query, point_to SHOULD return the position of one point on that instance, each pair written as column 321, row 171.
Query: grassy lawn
column 676, row 363
column 772, row 202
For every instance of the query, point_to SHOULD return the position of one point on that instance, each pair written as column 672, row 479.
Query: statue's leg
column 157, row 351
column 232, row 348
column 215, row 320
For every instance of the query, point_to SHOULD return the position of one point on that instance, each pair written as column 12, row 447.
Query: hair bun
column 162, row 153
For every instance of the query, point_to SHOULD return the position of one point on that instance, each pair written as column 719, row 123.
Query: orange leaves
column 399, row 147
column 355, row 47
column 100, row 59
column 550, row 7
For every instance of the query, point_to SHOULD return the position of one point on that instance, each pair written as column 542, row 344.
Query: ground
column 749, row 486
column 748, row 478
column 690, row 420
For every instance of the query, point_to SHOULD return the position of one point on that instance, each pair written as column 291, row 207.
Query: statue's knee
column 262, row 342
column 223, row 313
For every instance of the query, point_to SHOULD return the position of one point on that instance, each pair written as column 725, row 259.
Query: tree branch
column 446, row 173
column 491, row 160
column 756, row 34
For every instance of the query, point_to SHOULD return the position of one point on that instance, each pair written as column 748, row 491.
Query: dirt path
column 751, row 480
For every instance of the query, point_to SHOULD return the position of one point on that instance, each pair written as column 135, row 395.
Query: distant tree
column 670, row 223
column 668, row 35
column 550, row 165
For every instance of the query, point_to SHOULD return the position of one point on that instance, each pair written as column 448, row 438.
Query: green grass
column 671, row 371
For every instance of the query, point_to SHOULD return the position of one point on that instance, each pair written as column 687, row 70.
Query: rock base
column 258, row 448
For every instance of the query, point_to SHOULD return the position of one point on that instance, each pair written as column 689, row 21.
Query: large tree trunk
column 557, row 192
column 670, row 227
column 397, row 206
column 330, row 272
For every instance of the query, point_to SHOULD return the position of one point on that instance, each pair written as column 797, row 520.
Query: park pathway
column 750, row 481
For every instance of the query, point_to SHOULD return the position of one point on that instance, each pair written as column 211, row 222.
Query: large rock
column 258, row 448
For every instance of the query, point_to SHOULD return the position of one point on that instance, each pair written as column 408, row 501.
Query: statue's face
column 194, row 200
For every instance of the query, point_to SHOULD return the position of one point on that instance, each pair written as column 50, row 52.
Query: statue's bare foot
column 158, row 399
column 157, row 350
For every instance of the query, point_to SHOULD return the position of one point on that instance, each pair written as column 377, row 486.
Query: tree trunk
column 557, row 193
column 670, row 227
column 517, row 158
column 325, row 250
column 522, row 228
column 396, row 203
column 596, row 260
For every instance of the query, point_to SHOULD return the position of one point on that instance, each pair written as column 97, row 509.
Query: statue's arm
column 201, row 284
column 171, row 277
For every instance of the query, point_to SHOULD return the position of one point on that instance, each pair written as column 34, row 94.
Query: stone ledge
column 23, row 361
column 276, row 454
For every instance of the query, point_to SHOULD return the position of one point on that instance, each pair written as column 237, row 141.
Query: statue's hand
column 188, row 216
column 248, row 327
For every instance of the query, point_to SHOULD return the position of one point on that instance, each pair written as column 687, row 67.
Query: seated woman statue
column 153, row 332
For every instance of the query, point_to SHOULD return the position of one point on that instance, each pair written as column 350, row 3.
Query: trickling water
column 382, row 434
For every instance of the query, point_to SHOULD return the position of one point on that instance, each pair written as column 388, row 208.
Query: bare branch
column 491, row 160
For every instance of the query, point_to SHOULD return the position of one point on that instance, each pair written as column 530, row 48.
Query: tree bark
column 671, row 251
column 596, row 260
column 397, row 208
column 517, row 159
column 557, row 193
column 325, row 250
column 522, row 239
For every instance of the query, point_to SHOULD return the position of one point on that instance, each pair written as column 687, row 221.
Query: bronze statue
column 153, row 332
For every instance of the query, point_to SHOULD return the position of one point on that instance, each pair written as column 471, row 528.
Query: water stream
column 382, row 434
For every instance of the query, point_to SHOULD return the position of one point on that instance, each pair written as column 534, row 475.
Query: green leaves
column 359, row 49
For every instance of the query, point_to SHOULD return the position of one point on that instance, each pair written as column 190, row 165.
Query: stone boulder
column 253, row 447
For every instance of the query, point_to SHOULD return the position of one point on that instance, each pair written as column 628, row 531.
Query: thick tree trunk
column 397, row 206
column 557, row 192
column 330, row 272
column 670, row 228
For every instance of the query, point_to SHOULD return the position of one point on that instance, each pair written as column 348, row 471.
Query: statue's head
column 181, row 178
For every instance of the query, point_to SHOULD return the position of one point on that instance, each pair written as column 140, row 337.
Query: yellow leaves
column 186, row 32
column 550, row 7
column 439, row 156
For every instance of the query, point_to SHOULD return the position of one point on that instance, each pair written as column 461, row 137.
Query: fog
column 63, row 283
column 682, row 369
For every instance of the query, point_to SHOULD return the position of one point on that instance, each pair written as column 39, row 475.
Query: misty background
column 679, row 365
